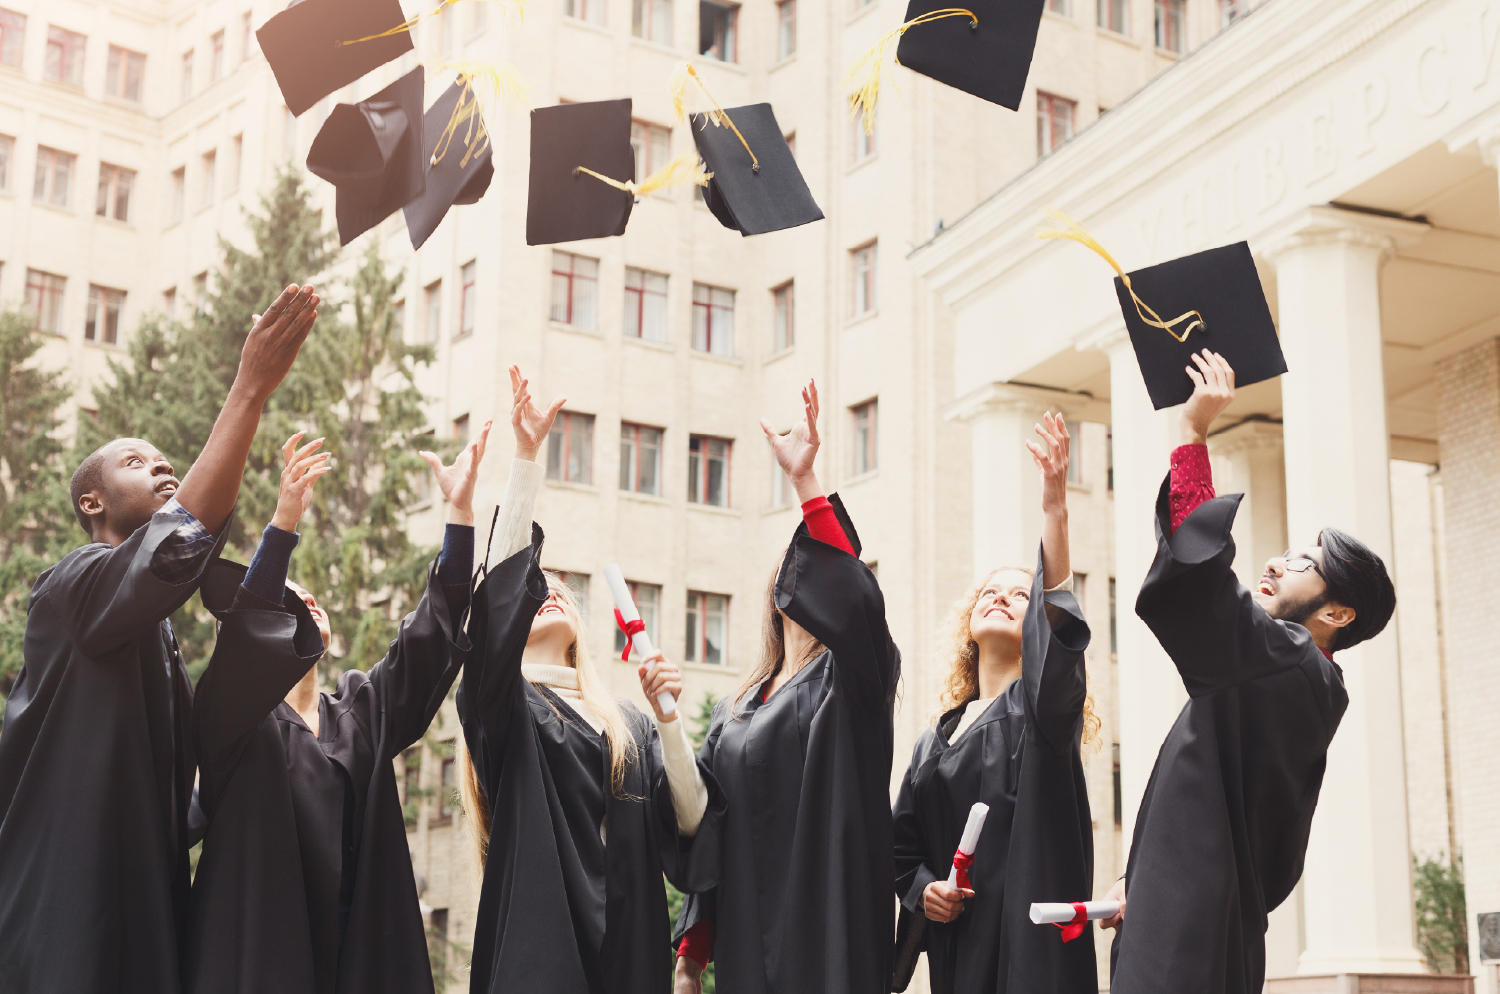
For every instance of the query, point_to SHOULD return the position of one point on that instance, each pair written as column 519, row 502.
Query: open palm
column 797, row 449
column 530, row 423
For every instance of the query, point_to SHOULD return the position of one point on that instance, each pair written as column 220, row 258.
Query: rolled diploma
column 970, row 838
column 1061, row 914
column 640, row 640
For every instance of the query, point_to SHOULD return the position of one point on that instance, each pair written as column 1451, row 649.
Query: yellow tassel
column 497, row 83
column 677, row 86
column 686, row 168
column 866, row 72
column 1066, row 227
column 504, row 7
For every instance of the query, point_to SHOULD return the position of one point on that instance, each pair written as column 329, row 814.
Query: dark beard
column 1297, row 612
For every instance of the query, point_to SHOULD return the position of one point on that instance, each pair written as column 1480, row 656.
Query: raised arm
column 531, row 426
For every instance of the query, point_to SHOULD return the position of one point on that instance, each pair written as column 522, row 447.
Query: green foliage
column 674, row 908
column 448, row 958
column 701, row 719
column 1442, row 919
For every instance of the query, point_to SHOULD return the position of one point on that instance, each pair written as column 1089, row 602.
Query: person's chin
column 1266, row 602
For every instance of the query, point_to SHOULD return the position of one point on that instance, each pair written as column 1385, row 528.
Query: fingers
column 556, row 406
column 306, row 450
column 278, row 305
column 515, row 381
column 479, row 443
column 289, row 446
column 1037, row 455
column 812, row 389
column 432, row 460
column 301, row 467
column 1228, row 371
column 1194, row 375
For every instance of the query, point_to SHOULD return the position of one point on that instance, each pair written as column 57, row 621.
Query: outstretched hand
column 457, row 481
column 300, row 470
column 796, row 450
column 275, row 339
column 1051, row 457
column 1213, row 391
column 530, row 423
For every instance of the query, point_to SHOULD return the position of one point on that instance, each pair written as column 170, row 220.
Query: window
column 467, row 299
column 1114, row 640
column 54, row 176
column 786, row 29
column 1170, row 15
column 652, row 20
column 102, row 323
column 216, row 61
column 179, row 193
column 866, row 436
column 718, row 25
column 12, row 36
column 64, row 56
column 1059, row 7
column 653, row 147
column 398, row 317
column 7, row 151
column 782, row 490
column 862, row 274
column 645, row 305
column 461, row 430
column 236, row 163
column 432, row 296
column 1112, row 15
column 570, row 448
column 114, row 192
column 1075, row 451
column 412, row 777
column 708, row 470
column 124, row 74
column 1109, row 459
column 200, row 293
column 575, row 289
column 585, row 10
column 169, row 301
column 861, row 142
column 246, row 33
column 713, row 320
column 640, row 459
column 44, row 294
column 578, row 586
column 1114, row 752
column 187, row 74
column 1080, row 588
column 707, row 622
column 784, row 333
column 447, row 804
column 210, row 175
column 288, row 133
column 1230, row 11
column 647, row 597
column 1054, row 122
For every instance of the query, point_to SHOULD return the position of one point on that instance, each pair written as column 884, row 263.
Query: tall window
column 640, row 459
column 575, row 289
column 7, row 153
column 647, row 597
column 236, row 163
column 1114, row 638
column 1054, row 121
column 115, row 185
column 1112, row 15
column 124, row 74
column 12, row 36
column 866, row 436
column 247, row 33
column 1114, row 752
column 645, row 305
column 718, row 30
column 200, row 291
column 187, row 75
column 570, row 448
column 102, row 324
column 179, row 193
column 782, row 490
column 64, row 56
column 210, row 177
column 786, row 29
column 44, row 294
column 467, row 303
column 861, row 142
column 653, row 147
column 1230, row 11
column 784, row 332
column 652, row 20
column 585, row 10
column 1060, row 7
column 1080, row 590
column 432, row 297
column 216, row 61
column 707, row 625
column 713, row 320
column 54, row 176
column 398, row 317
column 862, row 274
column 708, row 470
column 1170, row 19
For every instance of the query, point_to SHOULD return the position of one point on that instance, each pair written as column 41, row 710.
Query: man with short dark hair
column 1223, row 825
column 96, row 772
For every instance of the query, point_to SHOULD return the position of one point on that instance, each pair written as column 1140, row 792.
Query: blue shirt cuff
column 266, row 577
column 456, row 561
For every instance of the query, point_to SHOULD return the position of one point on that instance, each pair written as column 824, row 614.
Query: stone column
column 1357, row 882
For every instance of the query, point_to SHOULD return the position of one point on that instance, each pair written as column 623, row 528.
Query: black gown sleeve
column 913, row 869
column 1053, row 671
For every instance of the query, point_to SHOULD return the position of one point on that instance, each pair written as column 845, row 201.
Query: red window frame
column 635, row 302
column 44, row 293
column 572, row 277
column 725, row 32
column 649, row 608
column 866, row 448
column 48, row 163
column 650, row 155
column 783, row 316
column 1170, row 29
column 466, row 297
column 102, row 324
column 571, row 424
column 1050, row 110
column 862, row 277
column 216, row 61
column 786, row 25
column 432, row 311
column 699, row 458
column 12, row 37
column 65, row 50
column 695, row 629
column 115, row 186
column 187, row 75
column 706, row 308
column 123, row 68
column 630, row 472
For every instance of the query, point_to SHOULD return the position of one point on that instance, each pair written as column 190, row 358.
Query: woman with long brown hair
column 1015, row 711
column 578, row 803
column 803, row 753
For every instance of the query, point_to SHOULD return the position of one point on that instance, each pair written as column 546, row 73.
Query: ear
column 1335, row 615
column 92, row 505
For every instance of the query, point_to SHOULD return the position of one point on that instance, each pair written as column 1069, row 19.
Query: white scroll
column 968, row 841
column 1061, row 914
column 625, row 605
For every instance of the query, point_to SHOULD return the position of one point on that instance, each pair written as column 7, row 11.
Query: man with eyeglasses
column 1223, row 824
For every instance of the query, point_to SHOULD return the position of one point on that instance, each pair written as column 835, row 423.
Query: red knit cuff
column 698, row 944
column 823, row 524
column 1192, row 482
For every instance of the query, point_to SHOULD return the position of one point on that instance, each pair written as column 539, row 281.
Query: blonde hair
column 959, row 647
column 622, row 745
column 772, row 646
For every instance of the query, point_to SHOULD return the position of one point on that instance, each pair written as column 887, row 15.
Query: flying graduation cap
column 1208, row 300
column 318, row 46
column 457, row 156
column 984, row 49
column 582, row 172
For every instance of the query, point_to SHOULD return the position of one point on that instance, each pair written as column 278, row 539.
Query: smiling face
column 556, row 622
column 1000, row 611
column 319, row 616
column 134, row 481
column 1288, row 594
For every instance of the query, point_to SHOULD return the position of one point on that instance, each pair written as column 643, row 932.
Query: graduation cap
column 984, row 49
column 582, row 172
column 458, row 159
column 374, row 154
column 317, row 46
column 1208, row 300
column 755, row 185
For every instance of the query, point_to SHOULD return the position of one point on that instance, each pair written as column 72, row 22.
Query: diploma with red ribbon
column 629, row 621
column 967, row 843
column 1073, row 918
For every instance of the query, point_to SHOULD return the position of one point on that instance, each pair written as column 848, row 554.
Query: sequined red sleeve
column 1192, row 481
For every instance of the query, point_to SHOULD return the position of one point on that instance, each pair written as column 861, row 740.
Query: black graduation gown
column 1022, row 758
column 292, row 817
column 96, row 776
column 561, row 911
column 1223, row 824
column 806, row 899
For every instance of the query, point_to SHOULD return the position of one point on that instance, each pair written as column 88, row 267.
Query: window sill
column 461, row 337
column 113, row 222
column 655, row 46
column 709, row 60
column 869, row 315
column 854, row 167
column 710, row 668
column 75, row 87
column 1167, row 53
column 585, row 488
column 864, row 477
column 652, row 499
column 125, row 103
column 573, row 329
column 1116, row 36
column 648, row 343
column 106, row 346
column 732, row 512
column 777, row 356
column 602, row 29
column 727, row 360
column 784, row 62
column 53, row 207
column 861, row 11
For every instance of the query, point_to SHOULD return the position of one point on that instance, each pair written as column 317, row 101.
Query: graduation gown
column 96, row 776
column 302, row 825
column 1223, row 824
column 1022, row 758
column 560, row 910
column 805, row 904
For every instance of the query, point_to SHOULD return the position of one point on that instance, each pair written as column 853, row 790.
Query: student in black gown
column 305, row 883
column 95, row 768
column 803, row 752
column 578, row 802
column 1223, row 825
column 1015, row 712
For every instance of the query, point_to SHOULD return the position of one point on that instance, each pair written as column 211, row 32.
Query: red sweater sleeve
column 698, row 943
column 823, row 524
column 1192, row 481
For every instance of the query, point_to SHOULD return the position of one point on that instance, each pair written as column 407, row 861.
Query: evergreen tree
column 1442, row 918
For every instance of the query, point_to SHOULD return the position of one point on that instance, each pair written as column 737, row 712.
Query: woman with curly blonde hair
column 1015, row 715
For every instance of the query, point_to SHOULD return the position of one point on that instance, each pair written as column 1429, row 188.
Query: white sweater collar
column 562, row 679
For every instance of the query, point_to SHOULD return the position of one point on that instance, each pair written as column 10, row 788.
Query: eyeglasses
column 1300, row 564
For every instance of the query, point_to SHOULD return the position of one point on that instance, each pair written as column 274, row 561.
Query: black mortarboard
column 373, row 153
column 304, row 45
column 752, row 196
column 1222, row 286
column 988, row 55
column 562, row 203
column 462, row 172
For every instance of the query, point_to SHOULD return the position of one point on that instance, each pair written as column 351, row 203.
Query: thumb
column 771, row 432
column 432, row 460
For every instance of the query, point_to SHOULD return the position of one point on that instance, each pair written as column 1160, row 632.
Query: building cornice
column 994, row 397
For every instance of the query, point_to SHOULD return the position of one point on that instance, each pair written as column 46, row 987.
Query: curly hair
column 959, row 647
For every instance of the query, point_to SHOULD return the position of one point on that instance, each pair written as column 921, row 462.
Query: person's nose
column 162, row 468
column 1276, row 566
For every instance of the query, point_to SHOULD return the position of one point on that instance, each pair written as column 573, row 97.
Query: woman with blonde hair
column 1015, row 712
column 578, row 803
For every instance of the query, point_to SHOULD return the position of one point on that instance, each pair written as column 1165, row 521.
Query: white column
column 1357, row 882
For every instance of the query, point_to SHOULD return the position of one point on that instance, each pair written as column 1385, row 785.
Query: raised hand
column 530, row 423
column 300, row 470
column 796, row 450
column 1051, row 458
column 1213, row 391
column 457, row 481
column 275, row 339
column 667, row 678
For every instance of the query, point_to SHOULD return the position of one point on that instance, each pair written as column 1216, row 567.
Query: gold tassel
column 864, row 73
column 686, row 168
column 504, row 6
column 1067, row 228
column 677, row 87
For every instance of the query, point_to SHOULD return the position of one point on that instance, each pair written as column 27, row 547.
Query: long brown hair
column 959, row 647
column 772, row 646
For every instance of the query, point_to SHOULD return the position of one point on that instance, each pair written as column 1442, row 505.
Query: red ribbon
column 630, row 628
column 1073, row 929
column 961, row 862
